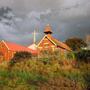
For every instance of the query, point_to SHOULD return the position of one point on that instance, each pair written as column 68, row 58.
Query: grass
column 46, row 73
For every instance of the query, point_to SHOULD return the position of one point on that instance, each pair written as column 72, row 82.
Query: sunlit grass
column 35, row 72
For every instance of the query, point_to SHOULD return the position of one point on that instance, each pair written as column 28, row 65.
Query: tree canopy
column 76, row 43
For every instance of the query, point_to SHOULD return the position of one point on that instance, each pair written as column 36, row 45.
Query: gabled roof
column 56, row 42
column 61, row 44
column 33, row 46
column 16, row 47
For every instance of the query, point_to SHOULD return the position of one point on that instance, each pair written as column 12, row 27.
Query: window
column 53, row 48
column 46, row 43
column 46, row 46
column 40, row 47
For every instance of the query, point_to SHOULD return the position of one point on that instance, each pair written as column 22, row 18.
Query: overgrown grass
column 35, row 72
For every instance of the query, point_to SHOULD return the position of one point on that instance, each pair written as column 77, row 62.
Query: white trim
column 46, row 43
column 5, row 44
column 46, row 46
column 41, row 40
column 52, row 41
column 47, row 38
column 39, row 47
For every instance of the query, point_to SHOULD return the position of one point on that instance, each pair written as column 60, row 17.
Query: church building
column 48, row 42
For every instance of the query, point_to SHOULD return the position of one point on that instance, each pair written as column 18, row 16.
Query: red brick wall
column 7, row 54
column 46, row 45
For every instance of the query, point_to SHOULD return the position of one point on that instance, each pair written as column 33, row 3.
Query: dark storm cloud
column 67, row 17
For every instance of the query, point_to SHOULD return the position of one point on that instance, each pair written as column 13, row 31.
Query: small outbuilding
column 8, row 49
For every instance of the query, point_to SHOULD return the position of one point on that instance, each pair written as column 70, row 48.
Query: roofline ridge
column 41, row 40
column 51, row 40
column 5, row 44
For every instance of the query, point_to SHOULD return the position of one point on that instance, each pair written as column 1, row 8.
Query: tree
column 76, row 43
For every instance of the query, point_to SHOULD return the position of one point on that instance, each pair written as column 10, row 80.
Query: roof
column 17, row 48
column 61, row 44
column 56, row 42
column 48, row 29
column 33, row 46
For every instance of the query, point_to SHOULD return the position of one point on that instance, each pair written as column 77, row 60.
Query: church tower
column 48, row 30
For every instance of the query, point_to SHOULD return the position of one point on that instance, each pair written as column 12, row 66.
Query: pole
column 34, row 37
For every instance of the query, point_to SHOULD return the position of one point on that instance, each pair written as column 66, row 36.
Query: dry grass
column 51, row 73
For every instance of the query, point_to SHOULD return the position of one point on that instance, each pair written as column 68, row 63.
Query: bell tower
column 48, row 30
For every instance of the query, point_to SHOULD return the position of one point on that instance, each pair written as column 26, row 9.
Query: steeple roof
column 48, row 29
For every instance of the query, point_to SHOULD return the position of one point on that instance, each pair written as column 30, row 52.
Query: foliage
column 14, row 79
column 45, row 73
column 85, row 69
column 76, row 43
column 21, row 56
column 45, row 60
column 83, row 55
column 70, row 55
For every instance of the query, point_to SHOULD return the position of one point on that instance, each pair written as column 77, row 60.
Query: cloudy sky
column 68, row 18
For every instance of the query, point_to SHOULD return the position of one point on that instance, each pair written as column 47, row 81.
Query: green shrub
column 70, row 55
column 29, row 78
column 45, row 60
column 19, row 56
column 29, row 74
column 83, row 55
column 87, row 79
column 85, row 69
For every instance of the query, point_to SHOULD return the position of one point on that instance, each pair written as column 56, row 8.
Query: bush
column 45, row 60
column 85, row 69
column 87, row 79
column 21, row 56
column 83, row 55
column 70, row 55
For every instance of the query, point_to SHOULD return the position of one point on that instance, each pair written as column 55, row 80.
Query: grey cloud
column 67, row 17
column 6, row 3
